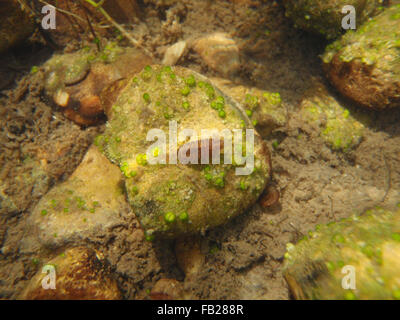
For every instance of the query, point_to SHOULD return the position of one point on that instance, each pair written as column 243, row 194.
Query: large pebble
column 356, row 258
column 219, row 52
column 80, row 274
column 325, row 17
column 364, row 65
column 88, row 205
column 170, row 200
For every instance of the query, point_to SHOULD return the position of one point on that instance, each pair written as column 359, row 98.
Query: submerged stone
column 172, row 199
column 365, row 247
column 88, row 205
column 219, row 52
column 79, row 274
column 364, row 65
column 76, row 80
column 339, row 125
column 325, row 17
column 265, row 109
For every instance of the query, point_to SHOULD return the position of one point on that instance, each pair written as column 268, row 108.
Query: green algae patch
column 367, row 244
column 206, row 193
column 325, row 17
column 364, row 65
column 341, row 127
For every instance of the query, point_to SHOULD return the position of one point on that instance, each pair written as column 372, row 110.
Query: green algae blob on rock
column 368, row 244
column 325, row 17
column 364, row 65
column 172, row 199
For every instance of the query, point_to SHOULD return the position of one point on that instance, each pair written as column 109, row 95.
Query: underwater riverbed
column 77, row 191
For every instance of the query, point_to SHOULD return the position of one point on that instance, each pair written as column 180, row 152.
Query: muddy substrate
column 243, row 258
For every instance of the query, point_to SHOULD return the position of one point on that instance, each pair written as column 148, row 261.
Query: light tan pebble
column 167, row 289
column 219, row 52
column 174, row 53
column 61, row 98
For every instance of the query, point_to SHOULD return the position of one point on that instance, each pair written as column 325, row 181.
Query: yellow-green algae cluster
column 340, row 127
column 171, row 199
column 325, row 17
column 370, row 243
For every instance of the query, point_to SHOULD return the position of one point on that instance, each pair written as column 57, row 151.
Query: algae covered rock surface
column 364, row 65
column 325, row 17
column 75, row 81
column 171, row 199
column 368, row 244
column 265, row 109
column 338, row 124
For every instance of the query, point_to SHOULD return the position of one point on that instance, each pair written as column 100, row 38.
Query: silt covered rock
column 265, row 109
column 80, row 274
column 75, row 81
column 172, row 199
column 341, row 126
column 367, row 246
column 364, row 65
column 89, row 204
column 325, row 17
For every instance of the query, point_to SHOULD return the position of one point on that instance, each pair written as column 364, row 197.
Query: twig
column 332, row 213
column 388, row 178
column 75, row 16
column 98, row 6
column 96, row 39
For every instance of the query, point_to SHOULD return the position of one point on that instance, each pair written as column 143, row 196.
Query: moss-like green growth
column 315, row 267
column 325, row 17
column 34, row 69
column 146, row 97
